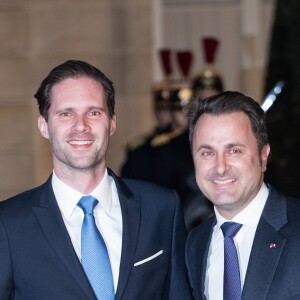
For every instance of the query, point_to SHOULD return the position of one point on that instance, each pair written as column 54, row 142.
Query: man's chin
column 223, row 199
column 82, row 165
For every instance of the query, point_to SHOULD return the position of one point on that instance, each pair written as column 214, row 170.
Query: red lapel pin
column 272, row 245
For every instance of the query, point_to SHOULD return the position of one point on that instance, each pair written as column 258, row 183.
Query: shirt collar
column 250, row 215
column 67, row 204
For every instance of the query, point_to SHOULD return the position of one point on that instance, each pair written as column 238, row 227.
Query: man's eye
column 207, row 153
column 65, row 114
column 235, row 151
column 95, row 113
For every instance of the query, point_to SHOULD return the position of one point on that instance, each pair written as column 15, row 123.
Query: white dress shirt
column 243, row 240
column 107, row 214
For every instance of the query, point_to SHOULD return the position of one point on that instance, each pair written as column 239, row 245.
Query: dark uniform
column 140, row 156
column 146, row 155
column 141, row 152
column 140, row 160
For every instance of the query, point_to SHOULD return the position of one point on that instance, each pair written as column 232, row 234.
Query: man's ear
column 113, row 125
column 264, row 156
column 43, row 127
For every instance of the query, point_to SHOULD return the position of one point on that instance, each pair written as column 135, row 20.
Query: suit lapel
column 268, row 244
column 131, row 214
column 198, row 257
column 51, row 222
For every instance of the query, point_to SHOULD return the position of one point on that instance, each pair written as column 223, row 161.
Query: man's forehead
column 229, row 128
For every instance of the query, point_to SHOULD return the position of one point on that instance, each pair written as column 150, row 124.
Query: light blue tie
column 232, row 282
column 94, row 255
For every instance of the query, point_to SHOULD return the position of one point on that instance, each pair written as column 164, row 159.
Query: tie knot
column 230, row 229
column 87, row 204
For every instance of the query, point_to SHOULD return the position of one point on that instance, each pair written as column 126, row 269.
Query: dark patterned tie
column 232, row 281
column 94, row 255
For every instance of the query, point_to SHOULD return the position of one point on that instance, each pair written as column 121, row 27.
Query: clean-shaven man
column 250, row 249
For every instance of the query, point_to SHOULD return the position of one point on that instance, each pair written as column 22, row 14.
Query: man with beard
column 86, row 233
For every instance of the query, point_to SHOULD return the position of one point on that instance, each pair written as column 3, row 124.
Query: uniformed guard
column 141, row 156
column 208, row 81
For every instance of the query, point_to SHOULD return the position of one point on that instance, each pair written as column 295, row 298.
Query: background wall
column 120, row 37
column 241, row 26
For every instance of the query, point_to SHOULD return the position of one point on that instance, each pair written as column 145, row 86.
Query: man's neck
column 83, row 181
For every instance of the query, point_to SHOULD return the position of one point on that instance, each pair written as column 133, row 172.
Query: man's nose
column 221, row 164
column 81, row 124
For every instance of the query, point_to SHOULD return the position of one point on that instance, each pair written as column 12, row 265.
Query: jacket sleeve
column 179, row 285
column 6, row 278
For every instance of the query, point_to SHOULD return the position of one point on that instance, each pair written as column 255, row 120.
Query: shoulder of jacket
column 165, row 138
column 140, row 140
column 136, row 143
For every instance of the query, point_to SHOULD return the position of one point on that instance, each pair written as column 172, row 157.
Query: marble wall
column 35, row 36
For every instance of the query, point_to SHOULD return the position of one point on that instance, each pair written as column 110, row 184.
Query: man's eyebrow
column 227, row 146
column 204, row 146
column 74, row 109
column 63, row 109
column 232, row 145
column 96, row 107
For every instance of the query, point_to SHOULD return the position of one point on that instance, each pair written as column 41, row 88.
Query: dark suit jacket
column 38, row 262
column 273, row 271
